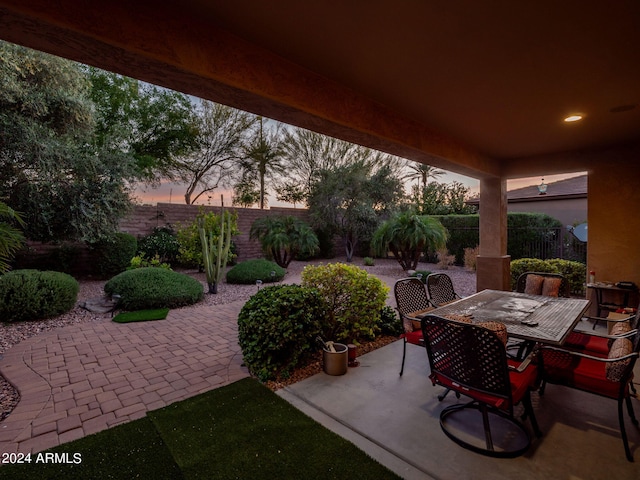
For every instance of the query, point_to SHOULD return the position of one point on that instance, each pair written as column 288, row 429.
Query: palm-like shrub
column 407, row 235
column 11, row 238
column 284, row 237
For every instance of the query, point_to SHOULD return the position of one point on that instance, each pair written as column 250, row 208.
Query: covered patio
column 480, row 90
column 476, row 89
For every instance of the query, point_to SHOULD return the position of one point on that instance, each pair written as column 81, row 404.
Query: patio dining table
column 534, row 318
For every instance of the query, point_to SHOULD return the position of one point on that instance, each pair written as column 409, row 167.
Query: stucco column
column 493, row 265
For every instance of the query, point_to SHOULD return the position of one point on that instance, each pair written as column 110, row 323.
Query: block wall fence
column 144, row 218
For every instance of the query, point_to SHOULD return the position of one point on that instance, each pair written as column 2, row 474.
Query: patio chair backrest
column 440, row 288
column 411, row 295
column 470, row 356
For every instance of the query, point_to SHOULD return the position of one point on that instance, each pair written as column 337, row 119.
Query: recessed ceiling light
column 573, row 118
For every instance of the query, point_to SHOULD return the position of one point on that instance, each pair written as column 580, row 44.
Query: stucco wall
column 142, row 220
column 614, row 221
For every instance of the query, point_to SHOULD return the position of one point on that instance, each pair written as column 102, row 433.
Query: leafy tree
column 290, row 193
column 263, row 159
column 284, row 237
column 350, row 200
column 407, row 235
column 244, row 192
column 441, row 199
column 223, row 131
column 149, row 123
column 307, row 154
column 11, row 238
column 65, row 185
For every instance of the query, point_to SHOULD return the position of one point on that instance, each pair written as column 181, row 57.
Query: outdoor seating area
column 467, row 344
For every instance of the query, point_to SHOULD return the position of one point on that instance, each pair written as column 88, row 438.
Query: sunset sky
column 174, row 192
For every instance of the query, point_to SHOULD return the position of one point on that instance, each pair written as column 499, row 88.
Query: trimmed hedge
column 249, row 271
column 149, row 288
column 34, row 294
column 277, row 328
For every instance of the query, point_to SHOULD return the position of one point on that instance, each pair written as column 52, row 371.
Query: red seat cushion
column 592, row 344
column 578, row 372
column 414, row 337
column 520, row 383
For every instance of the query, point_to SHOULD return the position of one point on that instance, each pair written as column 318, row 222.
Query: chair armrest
column 630, row 333
column 607, row 319
column 524, row 364
column 591, row 357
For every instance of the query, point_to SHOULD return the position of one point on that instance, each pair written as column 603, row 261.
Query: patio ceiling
column 480, row 86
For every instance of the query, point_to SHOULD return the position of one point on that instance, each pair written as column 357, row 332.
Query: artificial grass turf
column 130, row 450
column 244, row 430
column 141, row 315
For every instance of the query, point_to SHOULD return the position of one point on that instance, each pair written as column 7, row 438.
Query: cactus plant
column 215, row 249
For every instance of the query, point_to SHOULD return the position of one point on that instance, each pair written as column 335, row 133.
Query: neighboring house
column 565, row 200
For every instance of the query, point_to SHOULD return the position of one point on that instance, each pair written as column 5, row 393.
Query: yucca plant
column 215, row 249
column 407, row 235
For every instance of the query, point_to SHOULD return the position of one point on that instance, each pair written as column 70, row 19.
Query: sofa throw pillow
column 534, row 284
column 619, row 348
column 551, row 286
column 498, row 328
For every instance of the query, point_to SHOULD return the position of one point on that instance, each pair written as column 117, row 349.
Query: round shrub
column 114, row 255
column 277, row 328
column 353, row 297
column 34, row 294
column 148, row 288
column 249, row 271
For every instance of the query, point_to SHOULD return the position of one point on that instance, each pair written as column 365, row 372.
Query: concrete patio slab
column 396, row 420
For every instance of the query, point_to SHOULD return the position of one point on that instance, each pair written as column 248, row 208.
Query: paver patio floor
column 82, row 379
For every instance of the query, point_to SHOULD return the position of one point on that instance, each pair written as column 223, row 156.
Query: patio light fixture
column 542, row 188
column 573, row 118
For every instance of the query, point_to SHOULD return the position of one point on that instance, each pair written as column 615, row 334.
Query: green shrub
column 249, row 271
column 354, row 300
column 149, row 288
column 277, row 328
column 33, row 294
column 162, row 243
column 114, row 255
column 140, row 261
column 368, row 262
column 390, row 323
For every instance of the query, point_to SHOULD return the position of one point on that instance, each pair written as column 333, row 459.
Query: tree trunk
column 213, row 287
